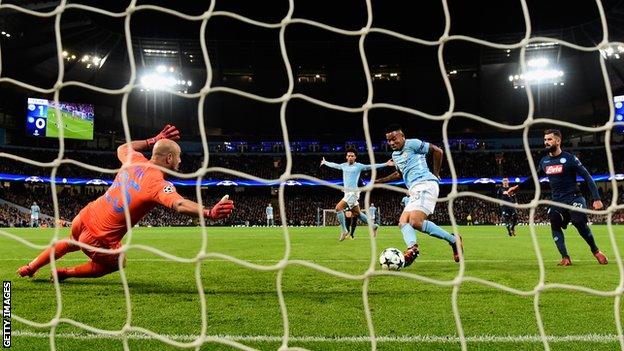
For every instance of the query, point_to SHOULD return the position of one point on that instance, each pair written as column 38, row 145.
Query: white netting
column 125, row 332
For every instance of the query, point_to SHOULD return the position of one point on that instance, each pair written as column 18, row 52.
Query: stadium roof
column 248, row 58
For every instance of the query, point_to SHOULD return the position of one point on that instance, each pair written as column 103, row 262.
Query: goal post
column 329, row 218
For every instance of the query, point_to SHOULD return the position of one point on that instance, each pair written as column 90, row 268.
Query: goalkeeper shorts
column 81, row 233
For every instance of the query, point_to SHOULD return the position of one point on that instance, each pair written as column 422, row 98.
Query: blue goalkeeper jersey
column 351, row 173
column 411, row 161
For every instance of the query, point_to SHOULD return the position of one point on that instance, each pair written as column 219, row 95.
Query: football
column 391, row 259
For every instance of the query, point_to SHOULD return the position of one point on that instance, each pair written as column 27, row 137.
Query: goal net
column 330, row 218
column 129, row 327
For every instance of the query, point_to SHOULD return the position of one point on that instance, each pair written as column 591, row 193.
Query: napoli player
column 102, row 223
column 509, row 214
column 561, row 169
column 410, row 159
column 351, row 171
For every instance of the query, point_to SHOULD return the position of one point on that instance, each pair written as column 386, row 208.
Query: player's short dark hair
column 555, row 132
column 351, row 150
column 393, row 128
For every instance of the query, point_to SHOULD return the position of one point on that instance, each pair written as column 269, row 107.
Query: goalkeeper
column 102, row 223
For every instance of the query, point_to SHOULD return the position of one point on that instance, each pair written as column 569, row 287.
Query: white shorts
column 423, row 197
column 351, row 198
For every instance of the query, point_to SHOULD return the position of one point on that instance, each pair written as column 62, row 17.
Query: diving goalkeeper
column 102, row 223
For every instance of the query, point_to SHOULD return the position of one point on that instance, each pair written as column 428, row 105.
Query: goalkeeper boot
column 565, row 262
column 410, row 255
column 602, row 259
column 455, row 247
column 26, row 271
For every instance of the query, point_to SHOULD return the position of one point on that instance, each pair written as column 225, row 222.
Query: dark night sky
column 481, row 87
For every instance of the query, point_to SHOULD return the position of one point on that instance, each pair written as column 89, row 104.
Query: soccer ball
column 391, row 259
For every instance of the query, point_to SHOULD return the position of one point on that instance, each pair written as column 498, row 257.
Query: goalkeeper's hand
column 221, row 209
column 169, row 132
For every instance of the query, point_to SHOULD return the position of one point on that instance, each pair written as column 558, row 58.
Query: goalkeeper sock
column 342, row 220
column 557, row 235
column 587, row 235
column 409, row 234
column 88, row 270
column 432, row 229
column 60, row 249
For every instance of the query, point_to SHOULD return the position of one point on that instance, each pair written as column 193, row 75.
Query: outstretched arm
column 222, row 209
column 330, row 164
column 169, row 132
column 377, row 165
column 392, row 177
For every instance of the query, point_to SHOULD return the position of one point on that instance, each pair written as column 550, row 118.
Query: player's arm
column 583, row 172
column 378, row 165
column 221, row 209
column 437, row 153
column 525, row 184
column 330, row 164
column 168, row 132
column 390, row 178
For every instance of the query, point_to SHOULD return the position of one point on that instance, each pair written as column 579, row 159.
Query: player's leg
column 364, row 218
column 352, row 225
column 100, row 263
column 59, row 250
column 579, row 220
column 409, row 236
column 505, row 219
column 559, row 219
column 514, row 222
column 342, row 219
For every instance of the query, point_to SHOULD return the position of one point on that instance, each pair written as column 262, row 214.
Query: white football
column 391, row 259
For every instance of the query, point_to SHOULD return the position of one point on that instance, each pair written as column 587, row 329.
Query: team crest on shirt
column 554, row 169
column 168, row 189
column 563, row 160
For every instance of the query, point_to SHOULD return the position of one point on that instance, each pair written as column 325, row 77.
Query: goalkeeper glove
column 169, row 132
column 222, row 209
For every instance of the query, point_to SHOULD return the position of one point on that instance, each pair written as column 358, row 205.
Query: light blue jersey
column 405, row 201
column 411, row 161
column 269, row 211
column 373, row 212
column 34, row 211
column 351, row 173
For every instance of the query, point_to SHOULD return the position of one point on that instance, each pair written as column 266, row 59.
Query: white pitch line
column 484, row 338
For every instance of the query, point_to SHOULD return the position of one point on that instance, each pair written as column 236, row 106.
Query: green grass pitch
column 75, row 128
column 324, row 312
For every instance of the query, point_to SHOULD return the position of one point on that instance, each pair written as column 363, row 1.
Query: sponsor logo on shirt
column 554, row 169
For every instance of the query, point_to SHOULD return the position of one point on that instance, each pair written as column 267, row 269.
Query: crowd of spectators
column 304, row 206
column 477, row 164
